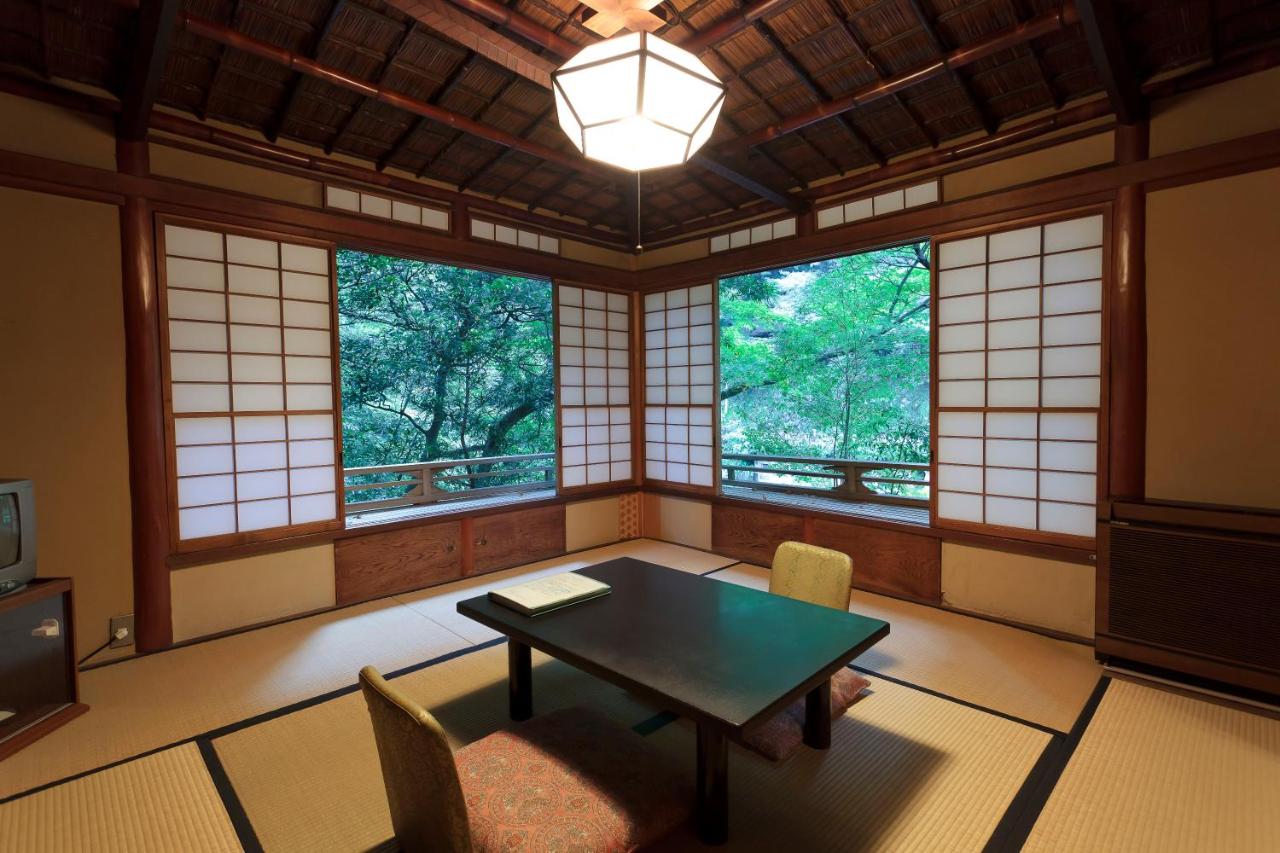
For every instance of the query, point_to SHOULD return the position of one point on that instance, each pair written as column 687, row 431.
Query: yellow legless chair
column 823, row 577
column 569, row 779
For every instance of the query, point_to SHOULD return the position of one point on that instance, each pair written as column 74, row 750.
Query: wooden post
column 144, row 403
column 1127, row 434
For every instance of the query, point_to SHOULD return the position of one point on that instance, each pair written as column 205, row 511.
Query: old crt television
column 17, row 534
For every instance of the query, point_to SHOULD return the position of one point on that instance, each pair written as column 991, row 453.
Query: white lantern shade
column 637, row 102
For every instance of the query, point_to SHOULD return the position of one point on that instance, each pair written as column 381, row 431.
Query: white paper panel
column 260, row 515
column 1011, row 424
column 257, row 398
column 254, row 309
column 199, row 522
column 1082, row 265
column 919, row 194
column 962, row 451
column 1079, row 456
column 574, row 476
column 961, row 507
column 312, row 508
column 255, row 339
column 889, row 202
column 1011, row 482
column 1011, row 453
column 193, row 305
column 312, row 259
column 253, row 251
column 314, row 315
column 1073, row 298
column 200, row 337
column 960, row 478
column 1069, row 426
column 1073, row 234
column 856, row 210
column 967, row 365
column 1012, row 304
column 313, row 452
column 1072, row 519
column 253, row 280
column 961, row 393
column 260, row 428
column 206, row 491
column 262, row 484
column 828, row 217
column 960, row 423
column 1008, row 334
column 296, row 285
column 959, row 253
column 310, row 426
column 190, row 243
column 342, row 199
column 960, row 281
column 1074, row 488
column 1013, row 392
column 306, row 342
column 1021, row 243
column 961, row 309
column 200, row 398
column 196, row 275
column 1011, row 512
column 202, row 430
column 206, row 459
column 1072, row 361
column 1072, row 393
column 960, row 338
column 1008, row 275
column 1003, row 364
column 260, row 457
column 198, row 367
column 1073, row 329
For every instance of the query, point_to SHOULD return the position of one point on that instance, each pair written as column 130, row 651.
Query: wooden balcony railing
column 905, row 483
column 373, row 487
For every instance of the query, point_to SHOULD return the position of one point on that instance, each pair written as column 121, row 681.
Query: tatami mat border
column 230, row 799
column 1015, row 826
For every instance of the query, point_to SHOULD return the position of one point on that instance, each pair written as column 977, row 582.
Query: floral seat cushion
column 779, row 738
column 570, row 780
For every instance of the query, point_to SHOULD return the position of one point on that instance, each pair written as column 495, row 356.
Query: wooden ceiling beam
column 223, row 34
column 988, row 121
column 154, row 35
column 1101, row 25
column 716, row 167
column 1048, row 22
column 450, row 83
column 278, row 121
column 392, row 57
column 1020, row 13
column 733, row 23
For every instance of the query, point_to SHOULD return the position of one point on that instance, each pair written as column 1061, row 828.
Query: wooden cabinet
column 887, row 561
column 514, row 538
column 381, row 564
column 752, row 535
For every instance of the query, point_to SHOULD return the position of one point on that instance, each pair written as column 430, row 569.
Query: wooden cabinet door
column 752, row 535
column 887, row 561
column 381, row 564
column 512, row 538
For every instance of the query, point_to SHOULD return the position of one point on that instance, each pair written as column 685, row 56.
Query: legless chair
column 823, row 577
column 570, row 779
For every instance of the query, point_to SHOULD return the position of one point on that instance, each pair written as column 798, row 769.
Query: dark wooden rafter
column 864, row 54
column 985, row 117
column 393, row 56
column 511, row 83
column 219, row 67
column 1098, row 19
column 1021, row 13
column 450, row 83
column 152, row 38
column 786, row 202
column 819, row 93
column 278, row 122
column 480, row 171
column 46, row 42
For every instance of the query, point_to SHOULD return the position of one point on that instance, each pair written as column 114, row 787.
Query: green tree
column 829, row 359
column 442, row 362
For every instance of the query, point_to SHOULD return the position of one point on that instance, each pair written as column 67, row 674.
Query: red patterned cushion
column 569, row 780
column 779, row 738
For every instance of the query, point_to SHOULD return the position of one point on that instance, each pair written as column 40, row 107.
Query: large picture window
column 447, row 382
column 824, row 379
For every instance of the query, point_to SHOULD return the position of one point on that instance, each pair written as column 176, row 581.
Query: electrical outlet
column 118, row 624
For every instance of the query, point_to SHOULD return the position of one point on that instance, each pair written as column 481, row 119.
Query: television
column 17, row 535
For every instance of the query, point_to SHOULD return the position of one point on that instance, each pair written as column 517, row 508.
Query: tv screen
column 10, row 530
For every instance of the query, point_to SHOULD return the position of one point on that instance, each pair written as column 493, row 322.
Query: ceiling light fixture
column 637, row 102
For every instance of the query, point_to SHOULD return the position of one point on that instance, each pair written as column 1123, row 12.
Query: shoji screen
column 595, row 386
column 679, row 393
column 1019, row 388
column 249, row 369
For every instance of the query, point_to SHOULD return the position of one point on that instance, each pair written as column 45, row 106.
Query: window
column 825, row 378
column 679, row 391
column 1019, row 379
column 249, row 370
column 447, row 382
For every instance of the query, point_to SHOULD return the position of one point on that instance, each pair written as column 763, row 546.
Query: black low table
column 723, row 655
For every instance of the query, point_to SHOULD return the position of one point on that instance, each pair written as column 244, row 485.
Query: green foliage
column 441, row 362
column 829, row 359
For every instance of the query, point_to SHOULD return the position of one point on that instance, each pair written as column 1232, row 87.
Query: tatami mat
column 310, row 780
column 905, row 771
column 152, row 701
column 165, row 802
column 440, row 603
column 1159, row 771
column 1016, row 672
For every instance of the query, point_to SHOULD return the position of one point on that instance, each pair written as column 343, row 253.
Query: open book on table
column 550, row 593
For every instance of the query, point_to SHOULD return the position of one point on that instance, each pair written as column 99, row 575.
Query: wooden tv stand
column 38, row 679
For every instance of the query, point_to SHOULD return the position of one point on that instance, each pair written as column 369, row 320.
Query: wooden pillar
column 1127, row 434
column 153, row 625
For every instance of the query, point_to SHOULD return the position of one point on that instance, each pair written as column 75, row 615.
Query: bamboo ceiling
column 784, row 63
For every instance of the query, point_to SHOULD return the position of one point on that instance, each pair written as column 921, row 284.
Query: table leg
column 817, row 716
column 713, row 785
column 520, row 680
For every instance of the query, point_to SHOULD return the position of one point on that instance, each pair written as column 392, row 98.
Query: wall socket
column 124, row 623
